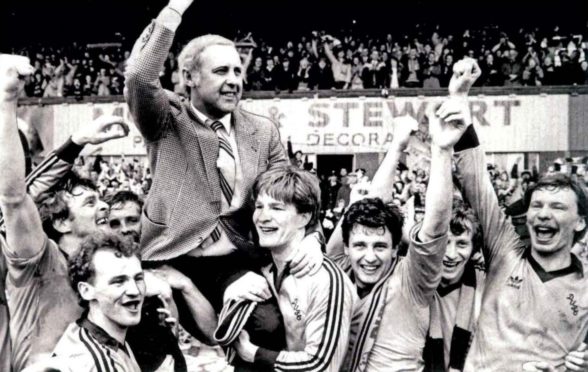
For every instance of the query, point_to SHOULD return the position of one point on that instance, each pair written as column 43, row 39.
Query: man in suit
column 205, row 153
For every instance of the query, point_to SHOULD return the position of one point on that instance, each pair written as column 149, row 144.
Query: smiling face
column 125, row 219
column 218, row 82
column 278, row 224
column 87, row 213
column 553, row 220
column 458, row 252
column 371, row 252
column 116, row 291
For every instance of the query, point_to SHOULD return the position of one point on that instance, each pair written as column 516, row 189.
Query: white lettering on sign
column 351, row 125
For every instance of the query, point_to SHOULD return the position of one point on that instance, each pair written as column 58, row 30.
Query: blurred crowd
column 344, row 60
column 116, row 174
column 122, row 174
column 410, row 187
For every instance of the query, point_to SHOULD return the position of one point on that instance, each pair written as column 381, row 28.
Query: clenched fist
column 465, row 73
column 13, row 70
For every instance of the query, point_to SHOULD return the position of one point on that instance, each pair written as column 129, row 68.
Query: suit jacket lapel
column 208, row 151
column 247, row 144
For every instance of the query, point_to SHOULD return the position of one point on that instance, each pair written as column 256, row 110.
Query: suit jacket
column 184, row 203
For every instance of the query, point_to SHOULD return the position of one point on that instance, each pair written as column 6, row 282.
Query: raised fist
column 13, row 70
column 403, row 127
column 465, row 74
column 448, row 123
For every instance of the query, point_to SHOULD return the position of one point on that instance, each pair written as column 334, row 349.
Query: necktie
column 226, row 166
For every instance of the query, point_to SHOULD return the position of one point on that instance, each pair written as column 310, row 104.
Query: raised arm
column 314, row 48
column 472, row 173
column 329, row 53
column 445, row 127
column 423, row 264
column 60, row 161
column 24, row 230
column 148, row 101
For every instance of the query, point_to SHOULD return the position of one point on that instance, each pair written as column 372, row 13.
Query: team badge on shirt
column 514, row 281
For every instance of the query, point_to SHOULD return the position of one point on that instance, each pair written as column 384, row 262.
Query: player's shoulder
column 178, row 102
column 582, row 264
column 72, row 343
column 330, row 274
column 254, row 118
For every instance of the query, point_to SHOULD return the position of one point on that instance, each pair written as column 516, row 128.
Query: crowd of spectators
column 344, row 60
column 133, row 174
column 410, row 188
column 116, row 174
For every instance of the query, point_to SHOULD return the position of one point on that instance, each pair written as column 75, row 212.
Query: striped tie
column 226, row 165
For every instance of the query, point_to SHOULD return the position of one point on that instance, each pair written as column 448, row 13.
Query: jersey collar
column 545, row 276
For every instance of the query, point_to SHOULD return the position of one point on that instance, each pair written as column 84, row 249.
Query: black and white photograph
column 293, row 186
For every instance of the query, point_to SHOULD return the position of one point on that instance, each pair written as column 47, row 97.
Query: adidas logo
column 514, row 281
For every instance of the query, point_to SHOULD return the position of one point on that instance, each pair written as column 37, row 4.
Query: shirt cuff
column 266, row 358
column 425, row 246
column 69, row 151
column 468, row 140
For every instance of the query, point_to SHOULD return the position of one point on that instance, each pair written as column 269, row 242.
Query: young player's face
column 87, row 212
column 118, row 290
column 458, row 252
column 371, row 253
column 218, row 83
column 553, row 219
column 125, row 219
column 277, row 223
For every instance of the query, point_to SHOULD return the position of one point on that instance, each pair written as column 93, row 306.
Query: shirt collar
column 278, row 280
column 447, row 289
column 100, row 334
column 225, row 120
column 575, row 267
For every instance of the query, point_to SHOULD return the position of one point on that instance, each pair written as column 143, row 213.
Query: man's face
column 125, row 219
column 270, row 64
column 303, row 63
column 218, row 84
column 371, row 253
column 553, row 219
column 277, row 223
column 117, row 289
column 87, row 212
column 94, row 176
column 459, row 250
